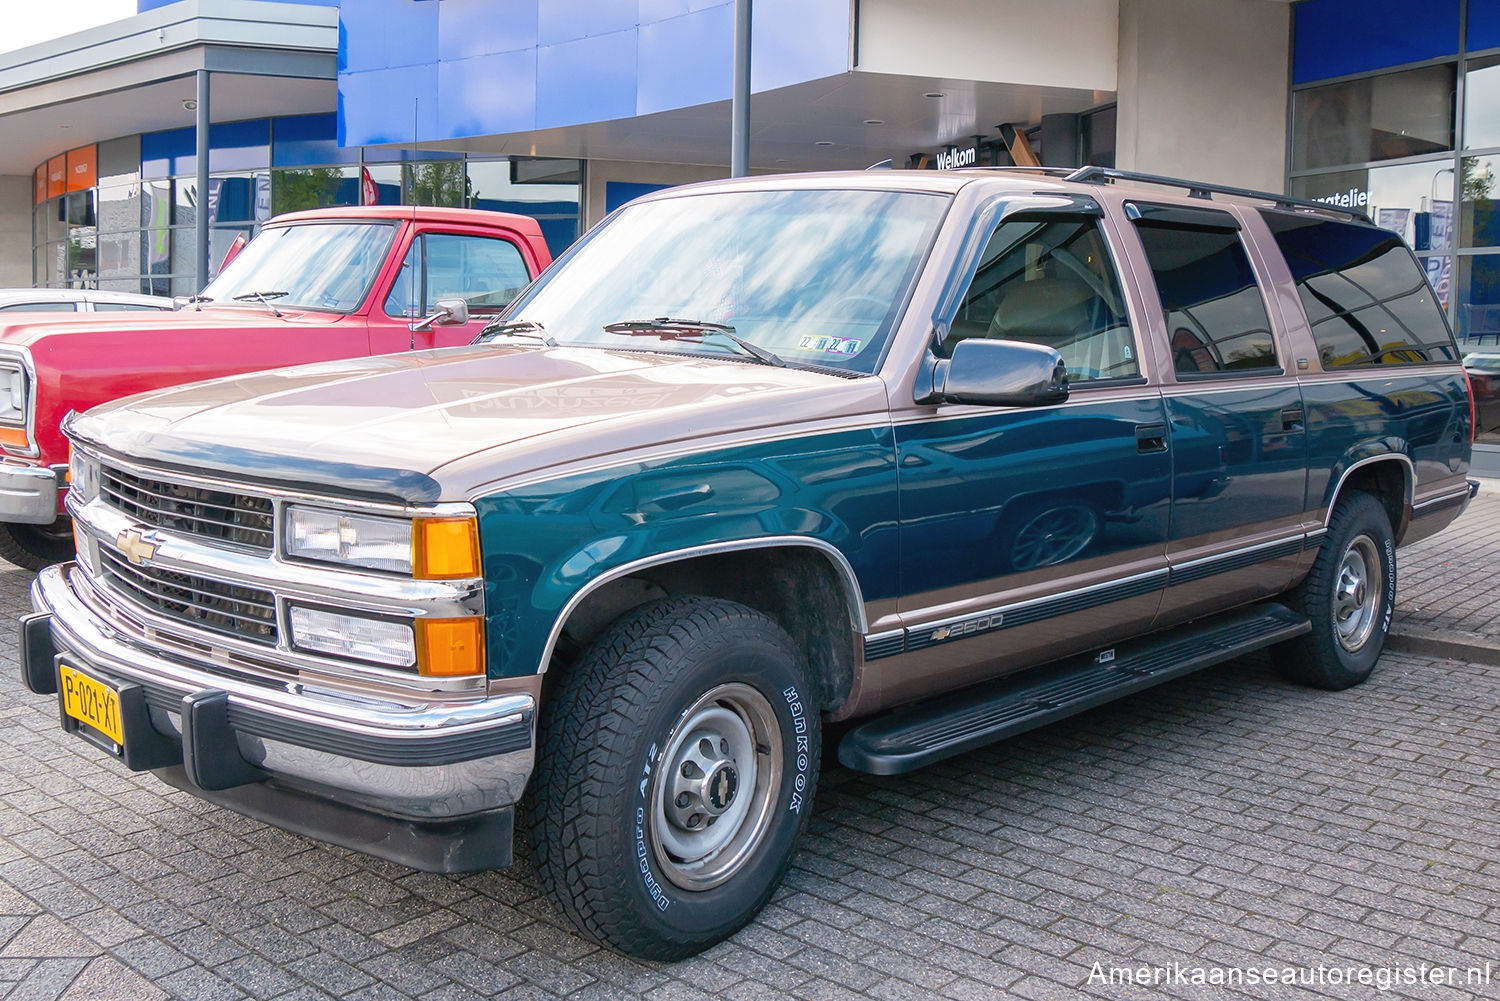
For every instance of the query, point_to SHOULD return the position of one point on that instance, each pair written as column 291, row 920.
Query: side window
column 1366, row 297
column 1049, row 280
column 40, row 307
column 486, row 272
column 405, row 299
column 1216, row 317
column 124, row 307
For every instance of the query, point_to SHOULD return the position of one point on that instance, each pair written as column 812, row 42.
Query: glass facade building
column 1396, row 110
column 122, row 214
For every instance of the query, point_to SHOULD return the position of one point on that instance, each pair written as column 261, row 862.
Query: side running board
column 921, row 734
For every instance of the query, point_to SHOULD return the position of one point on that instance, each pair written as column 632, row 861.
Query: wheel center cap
column 723, row 783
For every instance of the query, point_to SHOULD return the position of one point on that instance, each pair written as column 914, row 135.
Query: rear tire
column 37, row 546
column 1349, row 595
column 678, row 761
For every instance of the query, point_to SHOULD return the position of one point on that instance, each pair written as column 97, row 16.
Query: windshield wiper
column 497, row 328
column 669, row 328
column 264, row 298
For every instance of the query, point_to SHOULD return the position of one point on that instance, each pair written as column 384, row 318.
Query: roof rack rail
column 1012, row 168
column 1197, row 189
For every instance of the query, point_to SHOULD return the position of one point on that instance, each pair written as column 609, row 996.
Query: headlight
column 12, row 393
column 83, row 475
column 381, row 641
column 428, row 548
column 357, row 540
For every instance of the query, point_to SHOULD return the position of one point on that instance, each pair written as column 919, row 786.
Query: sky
column 29, row 23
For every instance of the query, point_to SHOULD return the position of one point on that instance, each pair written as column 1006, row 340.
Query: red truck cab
column 313, row 286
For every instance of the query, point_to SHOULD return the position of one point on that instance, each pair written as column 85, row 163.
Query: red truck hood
column 37, row 327
column 440, row 424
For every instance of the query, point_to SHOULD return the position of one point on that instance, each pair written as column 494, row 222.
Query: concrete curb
column 1445, row 643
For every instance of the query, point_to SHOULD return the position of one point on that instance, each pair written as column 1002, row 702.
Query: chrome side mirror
column 446, row 313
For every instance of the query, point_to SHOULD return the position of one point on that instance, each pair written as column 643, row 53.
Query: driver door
column 1034, row 532
column 484, row 270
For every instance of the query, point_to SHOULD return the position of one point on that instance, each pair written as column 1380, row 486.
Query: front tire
column 37, row 546
column 678, row 761
column 1349, row 595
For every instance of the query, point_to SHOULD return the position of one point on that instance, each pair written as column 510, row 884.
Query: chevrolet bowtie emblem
column 135, row 546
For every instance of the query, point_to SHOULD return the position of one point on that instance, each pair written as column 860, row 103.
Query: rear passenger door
column 1234, row 413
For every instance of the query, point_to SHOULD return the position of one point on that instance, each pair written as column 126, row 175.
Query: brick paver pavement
column 1449, row 582
column 1225, row 819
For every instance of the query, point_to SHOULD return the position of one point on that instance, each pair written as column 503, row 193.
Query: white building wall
column 1203, row 90
column 15, row 230
column 1056, row 43
column 601, row 172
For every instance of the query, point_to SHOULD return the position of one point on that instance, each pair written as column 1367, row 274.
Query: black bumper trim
column 466, row 844
column 36, row 653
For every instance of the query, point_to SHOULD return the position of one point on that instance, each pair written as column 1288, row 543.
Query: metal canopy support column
column 739, row 113
column 201, row 215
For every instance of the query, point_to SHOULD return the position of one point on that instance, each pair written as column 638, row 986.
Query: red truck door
column 484, row 268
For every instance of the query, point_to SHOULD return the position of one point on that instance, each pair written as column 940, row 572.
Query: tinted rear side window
column 1216, row 318
column 1365, row 296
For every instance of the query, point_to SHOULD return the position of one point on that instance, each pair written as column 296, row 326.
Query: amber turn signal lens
column 450, row 648
column 445, row 548
column 14, row 438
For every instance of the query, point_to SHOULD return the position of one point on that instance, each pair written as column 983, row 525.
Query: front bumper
column 28, row 494
column 430, row 786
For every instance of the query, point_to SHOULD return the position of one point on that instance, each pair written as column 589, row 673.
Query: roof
column 430, row 213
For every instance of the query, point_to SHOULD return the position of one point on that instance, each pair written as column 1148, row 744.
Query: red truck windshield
column 323, row 266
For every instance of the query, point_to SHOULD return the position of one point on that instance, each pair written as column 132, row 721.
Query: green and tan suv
column 950, row 455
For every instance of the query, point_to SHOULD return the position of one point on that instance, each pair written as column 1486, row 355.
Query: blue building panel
column 586, row 80
column 494, row 93
column 471, row 28
column 1338, row 37
column 392, row 105
column 387, row 34
column 308, row 140
column 494, row 67
column 1484, row 24
column 564, row 20
column 231, row 146
column 686, row 60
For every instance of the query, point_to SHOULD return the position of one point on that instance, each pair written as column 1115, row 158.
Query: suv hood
column 436, row 425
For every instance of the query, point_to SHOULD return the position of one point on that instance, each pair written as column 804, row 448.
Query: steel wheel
column 1355, row 595
column 712, row 801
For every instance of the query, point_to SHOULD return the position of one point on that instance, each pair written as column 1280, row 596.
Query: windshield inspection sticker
column 831, row 345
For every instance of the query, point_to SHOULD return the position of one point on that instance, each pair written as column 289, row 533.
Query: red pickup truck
column 313, row 286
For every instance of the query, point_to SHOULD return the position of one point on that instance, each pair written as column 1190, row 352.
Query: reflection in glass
column 1479, row 300
column 1374, row 118
column 816, row 276
column 1214, row 311
column 436, row 182
column 328, row 266
column 1482, row 103
column 1364, row 294
column 313, row 188
column 119, row 207
column 1414, row 199
column 1479, row 220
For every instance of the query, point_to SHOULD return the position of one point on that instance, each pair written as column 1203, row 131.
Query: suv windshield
column 815, row 276
column 327, row 266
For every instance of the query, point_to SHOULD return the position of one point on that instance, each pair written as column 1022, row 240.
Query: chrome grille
column 223, row 516
column 247, row 613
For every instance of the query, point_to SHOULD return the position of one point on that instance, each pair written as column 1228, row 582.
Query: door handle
column 1291, row 419
column 1150, row 438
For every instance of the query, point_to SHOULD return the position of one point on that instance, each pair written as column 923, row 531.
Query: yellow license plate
column 91, row 702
